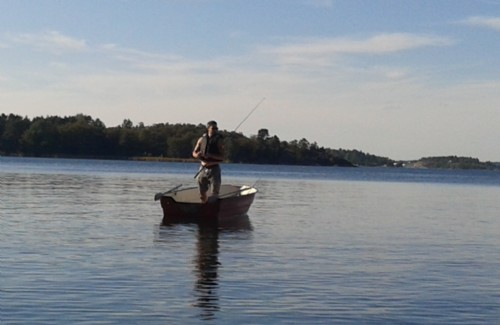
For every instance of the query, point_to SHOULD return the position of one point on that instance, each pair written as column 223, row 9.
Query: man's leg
column 203, row 185
column 216, row 180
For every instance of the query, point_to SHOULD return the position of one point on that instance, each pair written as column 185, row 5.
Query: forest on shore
column 82, row 136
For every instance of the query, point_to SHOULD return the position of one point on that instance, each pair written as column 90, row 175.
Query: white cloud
column 390, row 102
column 489, row 22
column 323, row 50
column 49, row 41
column 379, row 44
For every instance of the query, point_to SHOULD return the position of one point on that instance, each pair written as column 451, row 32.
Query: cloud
column 379, row 44
column 488, row 22
column 151, row 87
column 50, row 41
column 323, row 50
column 139, row 58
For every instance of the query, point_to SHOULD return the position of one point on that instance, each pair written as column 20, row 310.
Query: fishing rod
column 237, row 127
column 246, row 117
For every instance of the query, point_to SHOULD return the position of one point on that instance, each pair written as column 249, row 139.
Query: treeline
column 83, row 136
column 452, row 162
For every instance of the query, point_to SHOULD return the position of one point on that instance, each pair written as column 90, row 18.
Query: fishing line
column 246, row 117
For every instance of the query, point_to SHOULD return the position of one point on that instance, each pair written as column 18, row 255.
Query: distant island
column 82, row 136
column 444, row 162
column 450, row 162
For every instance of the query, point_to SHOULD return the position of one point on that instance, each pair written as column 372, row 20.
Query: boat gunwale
column 238, row 192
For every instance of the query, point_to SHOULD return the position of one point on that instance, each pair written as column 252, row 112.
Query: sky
column 403, row 79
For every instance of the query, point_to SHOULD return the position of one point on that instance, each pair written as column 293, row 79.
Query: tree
column 41, row 138
column 13, row 129
column 263, row 134
column 127, row 124
column 82, row 136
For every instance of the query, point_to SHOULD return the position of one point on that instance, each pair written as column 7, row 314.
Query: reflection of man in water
column 207, row 263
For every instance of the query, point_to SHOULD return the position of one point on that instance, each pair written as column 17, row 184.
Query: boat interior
column 192, row 194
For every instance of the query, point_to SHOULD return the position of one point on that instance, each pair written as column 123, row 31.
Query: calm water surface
column 81, row 243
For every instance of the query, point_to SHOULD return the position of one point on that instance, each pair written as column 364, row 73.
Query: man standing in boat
column 210, row 150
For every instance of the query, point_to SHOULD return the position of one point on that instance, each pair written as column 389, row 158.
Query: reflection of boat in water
column 185, row 205
column 206, row 261
column 207, row 264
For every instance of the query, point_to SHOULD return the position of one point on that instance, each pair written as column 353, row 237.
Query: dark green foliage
column 363, row 159
column 12, row 127
column 82, row 136
column 454, row 162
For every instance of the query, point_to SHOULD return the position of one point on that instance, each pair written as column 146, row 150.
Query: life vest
column 210, row 145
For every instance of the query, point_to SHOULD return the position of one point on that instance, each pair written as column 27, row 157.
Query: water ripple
column 89, row 249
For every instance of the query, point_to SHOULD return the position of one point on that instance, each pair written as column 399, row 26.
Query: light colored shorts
column 210, row 176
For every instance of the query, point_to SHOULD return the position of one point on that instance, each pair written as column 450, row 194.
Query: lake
column 82, row 243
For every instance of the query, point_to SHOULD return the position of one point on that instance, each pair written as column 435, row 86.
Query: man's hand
column 198, row 155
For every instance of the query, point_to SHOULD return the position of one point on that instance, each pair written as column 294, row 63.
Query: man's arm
column 209, row 158
column 197, row 150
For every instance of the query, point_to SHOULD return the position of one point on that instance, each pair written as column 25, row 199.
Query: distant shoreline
column 164, row 159
column 423, row 163
column 81, row 136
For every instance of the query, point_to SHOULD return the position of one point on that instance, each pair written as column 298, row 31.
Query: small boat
column 184, row 205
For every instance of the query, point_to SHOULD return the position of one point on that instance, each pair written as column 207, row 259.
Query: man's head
column 212, row 126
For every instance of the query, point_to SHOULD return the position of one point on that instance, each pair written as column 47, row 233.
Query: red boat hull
column 217, row 210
